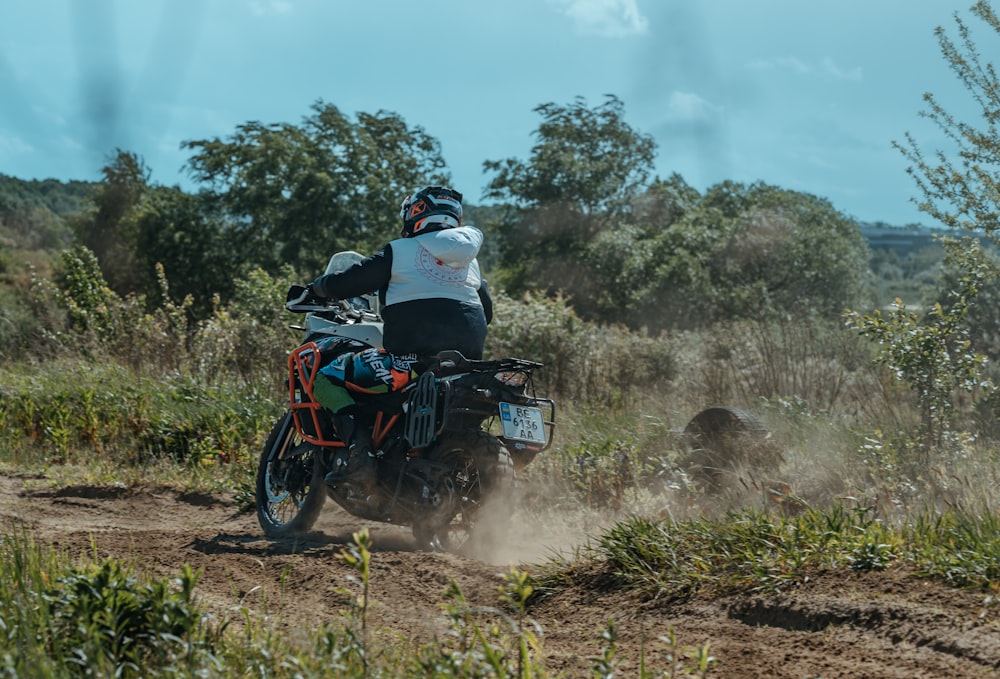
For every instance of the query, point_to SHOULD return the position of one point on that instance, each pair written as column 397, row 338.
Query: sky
column 804, row 95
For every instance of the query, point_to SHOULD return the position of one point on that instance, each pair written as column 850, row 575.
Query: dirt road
column 875, row 625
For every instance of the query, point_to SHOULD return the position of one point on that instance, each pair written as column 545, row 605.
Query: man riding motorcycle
column 433, row 298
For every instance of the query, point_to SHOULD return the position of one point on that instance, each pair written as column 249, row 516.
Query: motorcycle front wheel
column 481, row 487
column 290, row 489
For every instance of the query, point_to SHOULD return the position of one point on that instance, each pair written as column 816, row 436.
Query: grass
column 100, row 618
column 62, row 619
column 753, row 550
column 102, row 423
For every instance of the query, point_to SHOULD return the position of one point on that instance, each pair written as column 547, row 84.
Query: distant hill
column 34, row 214
column 58, row 197
column 902, row 240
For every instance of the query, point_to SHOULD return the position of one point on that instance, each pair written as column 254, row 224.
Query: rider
column 433, row 298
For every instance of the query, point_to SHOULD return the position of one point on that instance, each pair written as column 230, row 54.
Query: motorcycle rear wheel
column 290, row 488
column 482, row 491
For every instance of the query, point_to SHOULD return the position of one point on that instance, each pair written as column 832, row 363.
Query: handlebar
column 300, row 300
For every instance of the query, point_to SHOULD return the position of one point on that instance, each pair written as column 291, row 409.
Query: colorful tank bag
column 372, row 371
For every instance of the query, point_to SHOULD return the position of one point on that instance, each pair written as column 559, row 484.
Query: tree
column 627, row 258
column 983, row 319
column 751, row 250
column 961, row 187
column 33, row 212
column 585, row 169
column 299, row 193
column 108, row 228
column 590, row 159
column 181, row 233
column 784, row 250
column 584, row 222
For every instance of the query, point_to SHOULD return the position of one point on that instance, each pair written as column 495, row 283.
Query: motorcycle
column 449, row 444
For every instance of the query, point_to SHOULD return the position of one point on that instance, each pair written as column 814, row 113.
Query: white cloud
column 12, row 144
column 833, row 69
column 266, row 7
column 49, row 116
column 70, row 142
column 790, row 63
column 689, row 107
column 605, row 18
column 796, row 65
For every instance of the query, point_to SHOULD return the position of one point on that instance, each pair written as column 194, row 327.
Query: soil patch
column 831, row 624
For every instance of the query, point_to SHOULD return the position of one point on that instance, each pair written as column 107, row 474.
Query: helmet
column 432, row 208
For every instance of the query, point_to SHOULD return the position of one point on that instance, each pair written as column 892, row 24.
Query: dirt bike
column 449, row 443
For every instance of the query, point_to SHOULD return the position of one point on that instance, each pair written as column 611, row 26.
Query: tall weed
column 246, row 340
column 812, row 361
column 135, row 381
column 584, row 362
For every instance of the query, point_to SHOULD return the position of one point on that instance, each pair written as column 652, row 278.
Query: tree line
column 583, row 217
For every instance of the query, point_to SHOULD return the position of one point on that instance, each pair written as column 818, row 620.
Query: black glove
column 298, row 294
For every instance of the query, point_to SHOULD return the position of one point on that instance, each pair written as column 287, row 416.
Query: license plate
column 522, row 423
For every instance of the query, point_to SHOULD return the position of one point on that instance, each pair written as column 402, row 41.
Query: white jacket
column 441, row 264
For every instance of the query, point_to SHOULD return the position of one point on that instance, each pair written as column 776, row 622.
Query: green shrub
column 94, row 619
column 932, row 351
column 102, row 617
column 248, row 339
